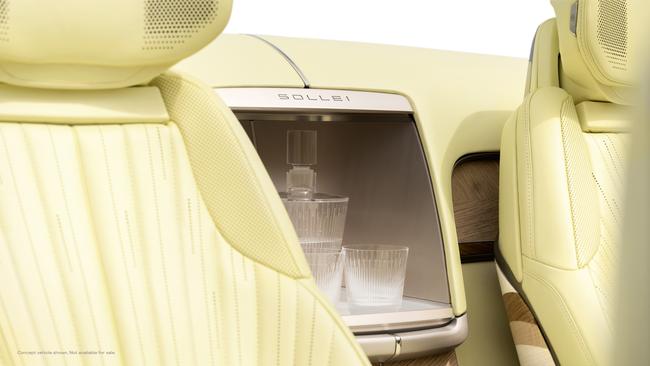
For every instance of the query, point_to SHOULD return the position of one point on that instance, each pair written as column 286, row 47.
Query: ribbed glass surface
column 319, row 222
column 374, row 275
column 327, row 267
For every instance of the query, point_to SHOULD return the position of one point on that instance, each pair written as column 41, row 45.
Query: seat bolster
column 565, row 303
column 233, row 182
column 509, row 235
column 554, row 182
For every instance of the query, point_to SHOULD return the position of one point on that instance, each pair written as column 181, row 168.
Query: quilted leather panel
column 107, row 245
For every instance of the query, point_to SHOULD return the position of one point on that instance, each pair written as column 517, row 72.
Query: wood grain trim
column 475, row 189
column 482, row 251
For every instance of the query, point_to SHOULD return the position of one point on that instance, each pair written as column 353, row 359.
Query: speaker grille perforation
column 612, row 31
column 4, row 20
column 169, row 23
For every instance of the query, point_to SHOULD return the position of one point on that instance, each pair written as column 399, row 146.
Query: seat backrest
column 564, row 167
column 137, row 224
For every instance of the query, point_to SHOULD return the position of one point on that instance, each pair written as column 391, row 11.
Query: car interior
column 171, row 195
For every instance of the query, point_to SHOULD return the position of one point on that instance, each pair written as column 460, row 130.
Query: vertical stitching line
column 279, row 315
column 175, row 186
column 529, row 173
column 236, row 297
column 313, row 329
column 205, row 288
column 216, row 318
column 86, row 197
column 119, row 233
column 65, row 244
column 295, row 332
column 31, row 243
column 329, row 348
column 3, row 311
column 75, row 243
column 257, row 312
column 129, row 232
column 160, row 241
column 191, row 224
column 162, row 154
column 141, row 237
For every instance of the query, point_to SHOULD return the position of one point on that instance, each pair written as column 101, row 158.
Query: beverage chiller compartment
column 368, row 151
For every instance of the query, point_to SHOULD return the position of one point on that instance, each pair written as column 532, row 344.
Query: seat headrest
column 93, row 44
column 600, row 47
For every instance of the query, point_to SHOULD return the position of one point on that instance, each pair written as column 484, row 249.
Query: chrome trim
column 398, row 346
column 295, row 67
column 378, row 348
column 303, row 100
column 383, row 347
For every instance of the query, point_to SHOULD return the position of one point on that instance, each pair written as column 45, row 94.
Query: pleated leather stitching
column 94, row 225
column 12, row 332
column 161, row 245
column 236, row 303
column 75, row 243
column 23, row 215
column 127, row 270
column 312, row 330
column 279, row 315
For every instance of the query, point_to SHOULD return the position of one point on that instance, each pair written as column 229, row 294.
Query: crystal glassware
column 327, row 267
column 375, row 274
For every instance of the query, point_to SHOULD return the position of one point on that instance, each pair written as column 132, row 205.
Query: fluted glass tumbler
column 375, row 274
column 327, row 267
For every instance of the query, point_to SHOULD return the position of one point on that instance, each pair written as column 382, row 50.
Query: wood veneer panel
column 475, row 189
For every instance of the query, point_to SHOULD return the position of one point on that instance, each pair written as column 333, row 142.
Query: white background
column 498, row 27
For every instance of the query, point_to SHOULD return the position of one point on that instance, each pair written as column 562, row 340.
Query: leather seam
column 529, row 177
column 127, row 272
column 12, row 260
column 46, row 295
column 83, row 178
column 567, row 315
column 161, row 251
column 5, row 319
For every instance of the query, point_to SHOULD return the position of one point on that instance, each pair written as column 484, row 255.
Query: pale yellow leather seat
column 137, row 224
column 564, row 158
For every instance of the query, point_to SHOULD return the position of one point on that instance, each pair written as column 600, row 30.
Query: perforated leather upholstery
column 563, row 172
column 80, row 44
column 139, row 227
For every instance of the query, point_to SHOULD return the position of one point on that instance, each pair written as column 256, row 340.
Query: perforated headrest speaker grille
column 612, row 32
column 102, row 44
column 169, row 23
